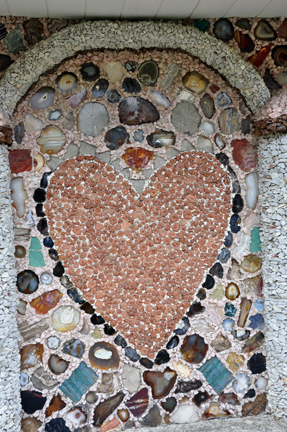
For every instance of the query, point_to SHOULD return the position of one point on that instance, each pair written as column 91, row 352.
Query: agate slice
column 148, row 73
column 138, row 403
column 56, row 404
column 32, row 401
column 200, row 398
column 92, row 119
column 31, row 355
column 214, row 411
column 104, row 356
column 67, row 81
column 229, row 398
column 134, row 110
column 229, row 121
column 207, row 106
column 51, row 140
column 244, row 41
column 104, row 409
column 57, row 365
column 53, row 342
column 251, row 263
column 76, row 416
column 241, row 383
column 46, row 301
column 123, row 414
column 169, row 405
column 195, row 82
column 264, row 31
column 232, row 291
column 161, row 383
column 19, row 196
column 253, row 343
column 279, row 55
column 64, row 319
column 245, row 307
column 46, row 278
column 161, row 138
column 27, row 282
column 42, row 379
column 43, row 98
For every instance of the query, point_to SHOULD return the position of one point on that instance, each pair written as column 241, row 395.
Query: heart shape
column 139, row 260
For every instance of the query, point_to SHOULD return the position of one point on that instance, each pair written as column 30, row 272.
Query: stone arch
column 115, row 35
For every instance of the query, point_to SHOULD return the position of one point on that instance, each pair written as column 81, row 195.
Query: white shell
column 18, row 195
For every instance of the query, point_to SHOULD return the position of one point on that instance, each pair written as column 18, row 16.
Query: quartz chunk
column 241, row 383
column 19, row 196
column 185, row 413
column 251, row 181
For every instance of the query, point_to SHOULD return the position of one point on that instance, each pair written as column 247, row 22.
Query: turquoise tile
column 255, row 245
column 216, row 374
column 79, row 382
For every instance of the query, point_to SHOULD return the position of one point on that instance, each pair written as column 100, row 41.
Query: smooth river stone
column 138, row 403
column 195, row 82
column 51, row 140
column 193, row 349
column 42, row 379
column 241, row 383
column 20, row 161
column 92, row 119
column 208, row 128
column 31, row 355
column 104, row 356
column 27, row 282
column 148, row 73
column 207, row 105
column 245, row 307
column 251, row 263
column 223, row 29
column 251, row 197
column 90, row 72
column 185, row 413
column 131, row 378
column 229, row 121
column 74, row 347
column 116, row 137
column 161, row 383
column 56, row 404
column 161, row 138
column 244, row 154
column 220, row 141
column 134, row 110
column 67, row 81
column 214, row 411
column 186, row 118
column 104, row 409
column 169, row 405
column 20, row 251
column 153, row 417
column 223, row 100
column 18, row 196
column 264, row 31
column 64, row 319
column 160, row 98
column 43, row 98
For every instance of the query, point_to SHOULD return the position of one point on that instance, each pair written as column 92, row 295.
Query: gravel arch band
column 135, row 35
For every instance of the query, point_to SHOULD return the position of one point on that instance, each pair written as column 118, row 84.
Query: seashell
column 27, row 282
column 100, row 88
column 232, row 291
column 103, row 355
column 39, row 162
column 134, row 110
column 90, row 72
column 264, row 31
column 53, row 342
column 92, row 119
column 67, row 81
column 194, row 81
column 43, row 98
column 51, row 140
column 57, row 365
column 223, row 29
column 279, row 54
column 18, row 195
column 76, row 416
column 66, row 318
column 148, row 73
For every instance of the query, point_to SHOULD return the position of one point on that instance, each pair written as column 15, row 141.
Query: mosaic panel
column 138, row 253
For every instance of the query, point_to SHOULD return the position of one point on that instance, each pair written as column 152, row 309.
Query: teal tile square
column 216, row 374
column 79, row 382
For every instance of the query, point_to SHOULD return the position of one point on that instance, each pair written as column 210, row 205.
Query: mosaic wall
column 262, row 42
column 137, row 245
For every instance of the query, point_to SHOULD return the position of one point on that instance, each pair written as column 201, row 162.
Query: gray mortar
column 10, row 405
column 273, row 203
column 119, row 35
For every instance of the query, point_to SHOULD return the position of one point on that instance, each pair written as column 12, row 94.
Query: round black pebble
column 148, row 364
column 217, row 270
column 221, row 157
column 53, row 254
column 173, row 342
column 39, row 195
column 162, row 357
column 130, row 85
column 109, row 330
column 97, row 319
column 48, row 242
column 120, row 341
column 100, row 88
column 44, row 180
column 237, row 205
column 58, row 270
column 88, row 308
column 250, row 394
column 257, row 363
column 182, row 330
column 39, row 210
column 201, row 294
column 90, row 72
column 132, row 354
column 42, row 227
column 27, row 282
column 235, row 220
column 209, row 282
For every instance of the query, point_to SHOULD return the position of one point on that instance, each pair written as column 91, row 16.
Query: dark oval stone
column 250, row 394
column 182, row 330
column 148, row 364
column 148, row 73
column 116, row 137
column 200, row 398
column 132, row 354
column 232, row 173
column 65, row 281
column 173, row 342
column 237, row 204
column 201, row 24
column 27, row 282
column 56, row 425
column 201, row 294
column 209, row 282
column 32, row 401
column 162, row 357
column 5, row 62
column 53, row 254
column 246, row 125
column 39, row 195
column 217, row 270
column 234, row 223
column 193, row 349
column 187, row 386
column 90, row 72
column 264, row 31
column 100, row 88
column 42, row 227
column 222, row 158
column 130, row 85
column 279, row 54
column 109, row 330
column 44, row 180
column 169, row 405
column 207, row 105
column 74, row 294
column 257, row 363
column 48, row 242
column 97, row 319
column 223, row 29
column 270, row 81
column 104, row 409
column 88, row 308
column 244, row 41
column 19, row 132
column 120, row 341
column 243, row 23
column 39, row 210
column 236, row 188
column 224, row 255
column 58, row 270
column 195, row 309
column 228, row 240
column 134, row 110
column 113, row 96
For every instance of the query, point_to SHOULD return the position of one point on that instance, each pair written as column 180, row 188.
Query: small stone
column 195, row 309
column 32, row 401
column 20, row 161
column 105, row 408
column 113, row 96
column 138, row 403
column 104, row 356
column 193, row 349
column 65, row 318
column 137, row 158
column 120, row 341
column 195, row 82
column 244, row 41
column 69, row 122
column 161, row 383
column 58, row 270
column 257, row 364
column 228, row 324
column 161, row 138
column 30, row 424
column 256, row 407
column 218, row 293
column 250, row 394
column 130, row 85
column 253, row 343
column 229, row 310
column 162, row 357
column 244, row 154
column 173, row 342
column 235, row 361
column 90, row 72
column 214, row 411
column 217, row 270
column 271, row 83
column 204, row 144
column 27, row 282
column 256, row 322
column 220, row 343
column 264, row 31
column 243, row 23
column 131, row 378
column 20, row 251
column 240, row 334
column 220, row 141
column 223, row 29
column 139, row 135
column 56, row 404
column 279, row 55
column 43, row 380
column 132, row 354
column 91, row 397
column 110, row 425
column 66, row 82
column 207, row 106
column 160, row 98
column 237, row 204
column 187, row 386
column 116, row 137
column 201, row 294
column 74, row 347
column 5, row 62
column 148, row 364
column 134, row 110
column 153, row 417
column 224, row 255
column 183, row 327
column 46, row 301
column 209, row 282
column 53, row 342
column 55, row 115
column 261, row 383
column 56, row 425
column 14, row 41
column 232, row 291
column 148, row 73
column 229, row 121
column 93, row 119
column 235, row 220
column 223, row 100
column 171, row 75
column 21, row 309
column 200, row 398
column 169, row 405
column 251, row 263
column 185, row 413
column 229, row 398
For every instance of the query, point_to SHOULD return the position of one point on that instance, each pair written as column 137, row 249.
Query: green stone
column 229, row 310
column 255, row 245
column 218, row 293
column 36, row 259
column 14, row 41
column 202, row 25
column 97, row 333
column 35, row 244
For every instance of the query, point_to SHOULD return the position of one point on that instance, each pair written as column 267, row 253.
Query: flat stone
column 131, row 378
column 220, row 343
column 186, row 118
column 153, row 417
column 87, row 149
column 244, row 154
column 42, row 379
column 185, row 413
column 32, row 331
column 14, row 41
column 256, row 407
column 229, row 121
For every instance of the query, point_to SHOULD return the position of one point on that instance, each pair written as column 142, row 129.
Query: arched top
column 135, row 35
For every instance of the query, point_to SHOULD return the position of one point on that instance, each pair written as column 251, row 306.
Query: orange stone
column 137, row 158
column 31, row 355
column 20, row 161
column 46, row 301
column 110, row 425
column 56, row 404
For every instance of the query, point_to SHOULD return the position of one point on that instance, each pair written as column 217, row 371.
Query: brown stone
column 33, row 31
column 20, row 160
column 220, row 343
column 30, row 424
column 110, row 425
column 5, row 135
column 56, row 404
column 244, row 154
column 282, row 30
column 31, row 355
column 137, row 158
column 193, row 349
column 46, row 301
column 256, row 407
column 161, row 383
